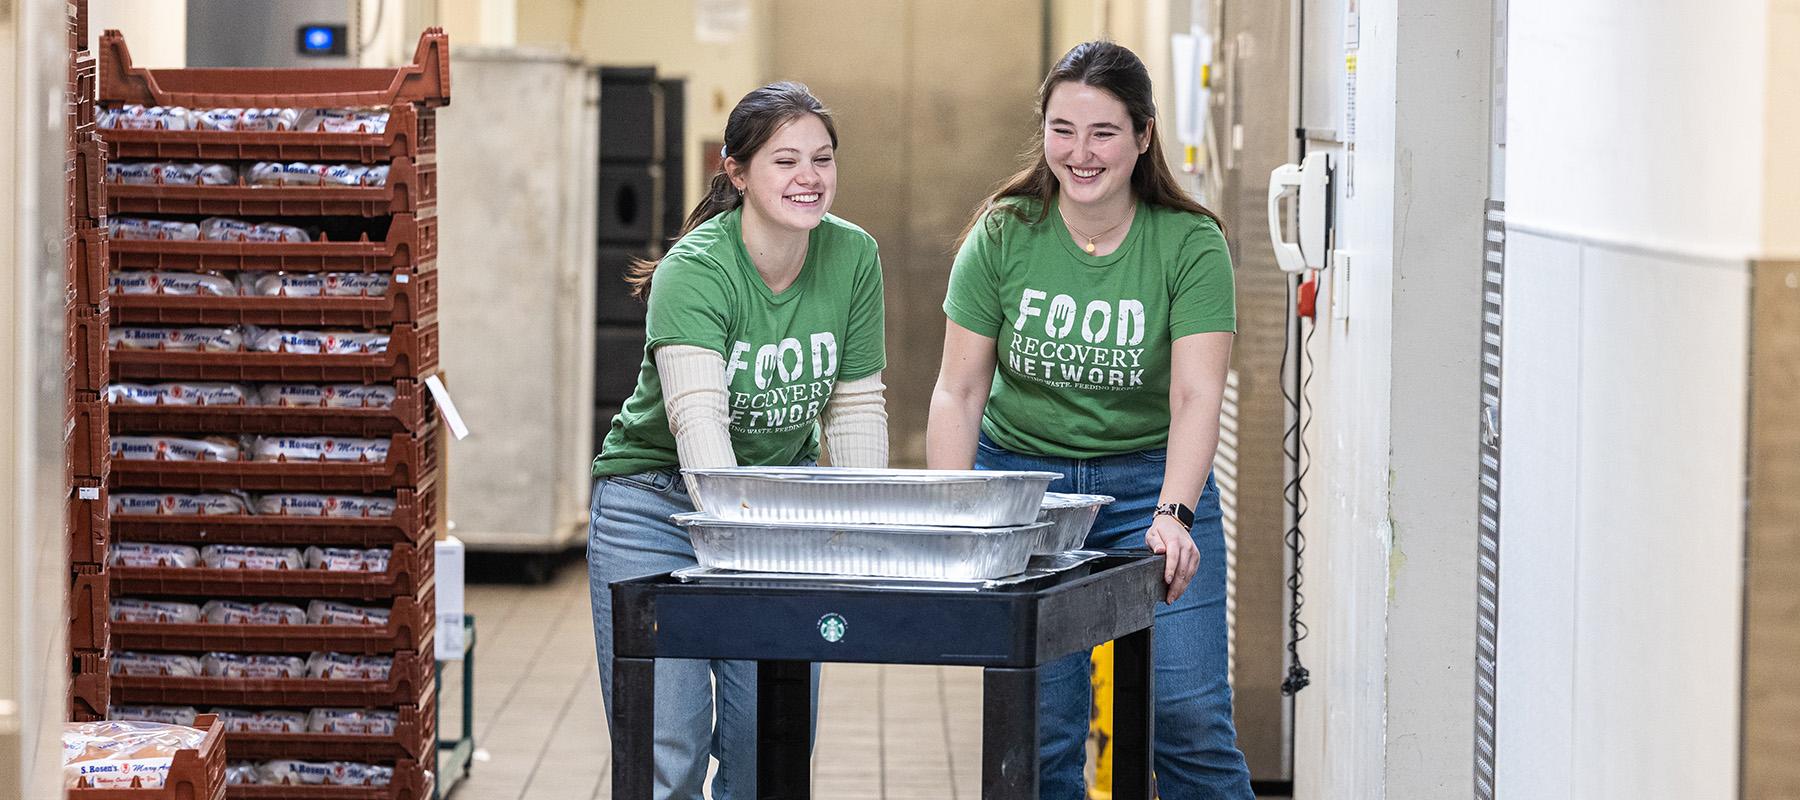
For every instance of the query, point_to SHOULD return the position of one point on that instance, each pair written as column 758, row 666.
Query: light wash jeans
column 630, row 536
column 1196, row 744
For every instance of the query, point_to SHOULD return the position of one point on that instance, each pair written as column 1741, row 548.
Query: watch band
column 1181, row 513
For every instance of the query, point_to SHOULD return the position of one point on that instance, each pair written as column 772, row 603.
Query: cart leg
column 1009, row 733
column 1134, row 715
column 633, row 728
column 783, row 730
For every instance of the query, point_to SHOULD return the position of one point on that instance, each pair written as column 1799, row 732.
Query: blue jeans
column 1196, row 744
column 630, row 536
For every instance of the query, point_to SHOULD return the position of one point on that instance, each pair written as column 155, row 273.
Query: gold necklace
column 1090, row 239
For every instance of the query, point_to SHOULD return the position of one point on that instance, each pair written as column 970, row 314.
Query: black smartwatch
column 1181, row 513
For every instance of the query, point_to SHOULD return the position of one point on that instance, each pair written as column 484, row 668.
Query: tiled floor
column 888, row 732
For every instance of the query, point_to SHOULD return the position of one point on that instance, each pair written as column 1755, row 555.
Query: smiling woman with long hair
column 760, row 278
column 1091, row 315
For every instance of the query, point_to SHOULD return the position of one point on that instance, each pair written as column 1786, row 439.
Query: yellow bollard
column 1100, row 723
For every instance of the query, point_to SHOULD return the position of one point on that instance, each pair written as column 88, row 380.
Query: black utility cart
column 1010, row 630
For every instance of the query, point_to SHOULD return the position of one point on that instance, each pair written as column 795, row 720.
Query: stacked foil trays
column 955, row 525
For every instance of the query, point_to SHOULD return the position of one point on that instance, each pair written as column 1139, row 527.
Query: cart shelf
column 412, row 353
column 414, row 521
column 413, row 738
column 412, row 461
column 406, row 628
column 412, row 410
column 411, row 782
column 411, row 132
column 411, row 242
column 425, row 81
column 411, row 188
column 407, row 680
column 409, row 574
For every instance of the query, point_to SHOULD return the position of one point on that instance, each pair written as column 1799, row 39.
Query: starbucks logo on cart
column 832, row 628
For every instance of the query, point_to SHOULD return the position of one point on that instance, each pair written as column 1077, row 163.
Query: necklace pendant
column 1090, row 248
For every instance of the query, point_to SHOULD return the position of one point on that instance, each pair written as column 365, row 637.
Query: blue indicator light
column 319, row 38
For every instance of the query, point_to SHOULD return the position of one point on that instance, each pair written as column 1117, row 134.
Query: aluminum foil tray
column 953, row 498
column 893, row 551
column 1038, row 567
column 1070, row 517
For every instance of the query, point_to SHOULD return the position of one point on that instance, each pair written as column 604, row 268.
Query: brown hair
column 753, row 121
column 1117, row 71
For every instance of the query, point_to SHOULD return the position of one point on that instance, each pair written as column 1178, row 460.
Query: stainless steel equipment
column 897, row 551
column 969, row 498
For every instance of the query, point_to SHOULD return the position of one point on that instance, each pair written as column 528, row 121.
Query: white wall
column 1638, row 122
column 1634, row 204
column 156, row 30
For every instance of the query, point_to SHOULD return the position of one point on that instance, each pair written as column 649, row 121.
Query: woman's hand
column 1166, row 537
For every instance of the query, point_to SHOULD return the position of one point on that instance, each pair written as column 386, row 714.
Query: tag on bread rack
column 446, row 406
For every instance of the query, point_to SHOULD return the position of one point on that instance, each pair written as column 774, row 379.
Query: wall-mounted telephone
column 1311, row 180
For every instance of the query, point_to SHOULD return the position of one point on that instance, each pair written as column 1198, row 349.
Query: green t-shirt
column 783, row 352
column 1082, row 340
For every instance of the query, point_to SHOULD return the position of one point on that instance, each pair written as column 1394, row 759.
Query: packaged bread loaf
column 151, row 229
column 338, row 559
column 274, row 720
column 131, row 609
column 128, row 662
column 179, row 394
column 330, row 612
column 123, row 754
column 167, row 715
column 232, row 612
column 325, row 505
column 237, row 556
column 348, row 667
column 173, row 448
column 151, row 554
column 252, row 666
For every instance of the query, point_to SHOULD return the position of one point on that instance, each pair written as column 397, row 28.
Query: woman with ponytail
column 764, row 334
column 1091, row 316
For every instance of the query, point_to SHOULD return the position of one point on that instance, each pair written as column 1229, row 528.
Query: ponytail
column 753, row 121
column 721, row 196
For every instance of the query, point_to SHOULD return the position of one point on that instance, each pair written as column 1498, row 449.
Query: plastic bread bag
column 177, row 394
column 356, row 284
column 319, row 448
column 134, row 173
column 135, row 228
column 139, row 118
column 344, row 120
column 218, row 119
column 131, row 609
column 356, row 774
column 225, row 229
column 277, row 173
column 304, row 395
column 331, row 612
column 284, row 284
column 277, row 232
column 231, row 612
column 356, row 721
column 172, row 283
column 127, row 662
column 166, row 715
column 240, row 773
column 188, row 340
column 140, row 502
column 173, row 448
column 123, row 754
column 209, row 504
column 198, row 174
column 348, row 667
column 351, row 395
column 270, row 340
column 237, row 556
column 238, row 720
column 376, row 176
column 253, row 667
column 142, row 554
column 334, row 559
column 288, row 772
column 343, row 175
column 270, row 119
column 320, row 505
